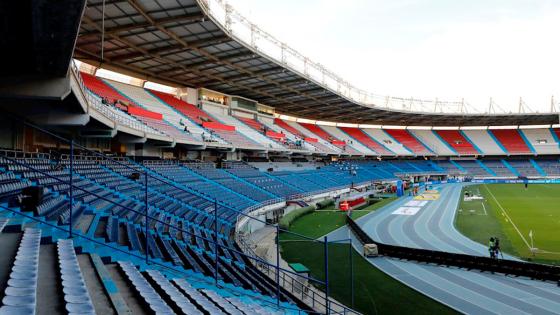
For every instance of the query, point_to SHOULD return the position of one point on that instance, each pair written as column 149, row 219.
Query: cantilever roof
column 174, row 42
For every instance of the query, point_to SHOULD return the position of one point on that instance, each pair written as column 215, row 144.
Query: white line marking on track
column 508, row 217
column 484, row 207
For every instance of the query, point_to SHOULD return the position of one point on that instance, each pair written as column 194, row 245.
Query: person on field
column 492, row 247
column 497, row 249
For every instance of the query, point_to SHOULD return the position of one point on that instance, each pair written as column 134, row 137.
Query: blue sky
column 447, row 49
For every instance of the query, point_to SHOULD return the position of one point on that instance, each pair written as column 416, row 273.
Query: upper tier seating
column 350, row 142
column 170, row 116
column 409, row 141
column 382, row 137
column 511, row 140
column 289, row 140
column 556, row 134
column 484, row 142
column 321, row 133
column 359, row 135
column 316, row 143
column 261, row 129
column 189, row 110
column 542, row 140
column 457, row 141
column 250, row 133
column 101, row 89
column 321, row 144
column 435, row 143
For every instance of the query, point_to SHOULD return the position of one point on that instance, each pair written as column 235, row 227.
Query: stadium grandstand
column 151, row 152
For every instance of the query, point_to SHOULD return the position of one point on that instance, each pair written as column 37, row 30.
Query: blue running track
column 469, row 292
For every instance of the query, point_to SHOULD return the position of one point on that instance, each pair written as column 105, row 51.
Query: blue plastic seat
column 26, row 300
column 17, row 310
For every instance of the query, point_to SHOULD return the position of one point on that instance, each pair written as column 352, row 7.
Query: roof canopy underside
column 173, row 42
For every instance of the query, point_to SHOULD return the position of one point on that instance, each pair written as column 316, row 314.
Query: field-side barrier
column 507, row 267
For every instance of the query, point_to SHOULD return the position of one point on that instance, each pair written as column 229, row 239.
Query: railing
column 146, row 214
column 135, row 258
column 95, row 102
column 305, row 291
column 147, row 217
column 121, row 119
column 259, row 41
column 505, row 266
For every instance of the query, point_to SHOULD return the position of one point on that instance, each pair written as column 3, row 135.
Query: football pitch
column 522, row 218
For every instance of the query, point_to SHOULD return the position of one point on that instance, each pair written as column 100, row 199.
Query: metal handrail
column 148, row 217
column 245, row 32
column 152, row 262
column 295, row 285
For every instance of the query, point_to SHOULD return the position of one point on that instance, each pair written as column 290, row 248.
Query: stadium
column 171, row 157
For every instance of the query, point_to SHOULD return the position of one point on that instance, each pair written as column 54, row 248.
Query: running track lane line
column 508, row 217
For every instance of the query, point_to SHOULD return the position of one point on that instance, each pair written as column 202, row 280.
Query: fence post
column 351, row 271
column 277, row 264
column 216, row 240
column 327, row 310
column 146, row 220
column 71, row 187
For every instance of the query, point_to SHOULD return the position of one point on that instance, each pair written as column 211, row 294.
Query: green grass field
column 510, row 212
column 323, row 221
column 375, row 292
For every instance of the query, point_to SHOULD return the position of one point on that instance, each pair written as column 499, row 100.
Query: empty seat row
column 21, row 292
column 76, row 296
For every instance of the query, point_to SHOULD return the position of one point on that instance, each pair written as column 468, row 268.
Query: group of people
column 494, row 247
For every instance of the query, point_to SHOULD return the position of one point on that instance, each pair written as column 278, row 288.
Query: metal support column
column 327, row 306
column 217, row 262
column 277, row 264
column 71, row 222
column 146, row 220
column 352, row 272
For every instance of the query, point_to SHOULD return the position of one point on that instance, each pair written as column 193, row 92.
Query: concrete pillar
column 188, row 95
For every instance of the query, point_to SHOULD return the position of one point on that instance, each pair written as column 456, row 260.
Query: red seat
column 319, row 146
column 103, row 90
column 408, row 140
column 330, row 138
column 194, row 113
column 457, row 141
column 511, row 140
column 364, row 139
column 282, row 124
column 251, row 123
